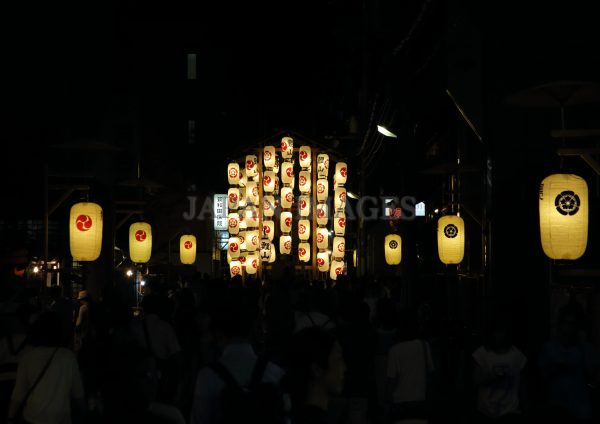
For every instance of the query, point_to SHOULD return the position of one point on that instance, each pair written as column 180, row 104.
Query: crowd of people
column 282, row 352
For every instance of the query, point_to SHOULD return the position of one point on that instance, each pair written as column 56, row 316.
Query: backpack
column 258, row 402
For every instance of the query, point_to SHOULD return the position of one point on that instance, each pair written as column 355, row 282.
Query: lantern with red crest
column 287, row 147
column 304, row 229
column 233, row 173
column 285, row 245
column 251, row 168
column 85, row 231
column 269, row 157
column 304, row 252
column 305, row 156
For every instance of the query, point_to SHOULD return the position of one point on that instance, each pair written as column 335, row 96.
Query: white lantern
column 287, row 172
column 233, row 222
column 242, row 238
column 287, row 197
column 339, row 223
column 268, row 206
column 337, row 268
column 339, row 200
column 322, row 214
column 304, row 182
column 268, row 230
column 322, row 238
column 393, row 249
column 269, row 157
column 187, row 249
column 251, row 216
column 323, row 261
column 252, row 193
column 251, row 168
column 252, row 263
column 265, row 250
column 304, row 252
column 140, row 242
column 252, row 240
column 564, row 216
column 233, row 173
column 285, row 222
column 304, row 229
column 322, row 190
column 243, row 178
column 269, row 181
column 273, row 256
column 233, row 198
column 322, row 165
column 242, row 197
column 276, row 188
column 305, row 156
column 339, row 248
column 451, row 239
column 287, row 147
column 285, row 245
column 242, row 259
column 235, row 268
column 234, row 247
column 85, row 231
column 341, row 172
column 304, row 205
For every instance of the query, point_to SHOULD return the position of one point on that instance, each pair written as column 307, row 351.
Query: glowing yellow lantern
column 287, row 197
column 273, row 256
column 269, row 156
column 233, row 173
column 339, row 224
column 233, row 222
column 251, row 263
column 304, row 182
column 322, row 214
column 233, row 198
column 341, row 172
column 337, row 268
column 322, row 238
column 287, row 172
column 287, row 147
column 393, row 249
column 304, row 205
column 451, row 239
column 323, row 261
column 85, row 231
column 140, row 242
column 322, row 190
column 285, row 245
column 304, row 252
column 269, row 181
column 234, row 247
column 304, row 229
column 251, row 216
column 268, row 230
column 354, row 259
column 187, row 249
column 235, row 268
column 564, row 216
column 251, row 168
column 339, row 200
column 305, row 156
column 322, row 165
column 252, row 193
column 285, row 222
column 252, row 240
column 339, row 248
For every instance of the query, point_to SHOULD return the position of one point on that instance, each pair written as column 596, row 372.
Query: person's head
column 83, row 296
column 316, row 362
column 570, row 322
column 46, row 330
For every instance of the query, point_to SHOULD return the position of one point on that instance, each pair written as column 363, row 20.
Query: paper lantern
column 140, row 242
column 242, row 238
column 233, row 223
column 269, row 157
column 322, row 166
column 339, row 200
column 234, row 247
column 242, row 198
column 268, row 230
column 287, row 197
column 285, row 222
column 233, row 198
column 187, row 249
column 451, row 239
column 252, row 240
column 564, row 216
column 268, row 206
column 287, row 172
column 339, row 223
column 322, row 214
column 242, row 259
column 252, row 263
column 276, row 167
column 339, row 248
column 305, row 156
column 276, row 188
column 229, row 258
column 354, row 259
column 251, row 193
column 304, row 252
column 265, row 250
column 273, row 256
column 322, row 238
column 292, row 184
column 285, row 245
column 337, row 268
column 235, row 268
column 304, row 229
column 243, row 178
column 393, row 249
column 304, row 182
column 322, row 190
column 304, row 205
column 269, row 181
column 341, row 172
column 233, row 173
column 251, row 168
column 287, row 147
column 251, row 216
column 85, row 231
column 323, row 261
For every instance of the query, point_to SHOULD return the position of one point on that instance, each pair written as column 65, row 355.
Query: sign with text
column 220, row 212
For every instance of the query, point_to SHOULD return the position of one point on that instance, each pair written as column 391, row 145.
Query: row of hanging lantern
column 85, row 237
